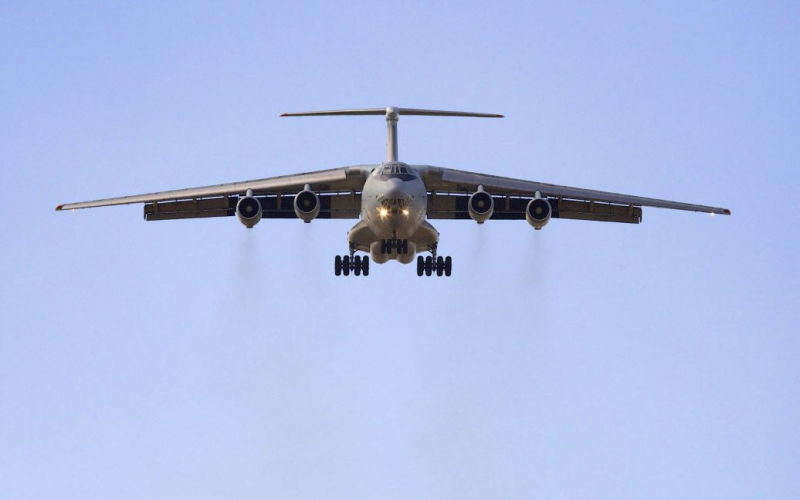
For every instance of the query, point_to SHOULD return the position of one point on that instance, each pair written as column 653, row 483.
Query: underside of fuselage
column 363, row 239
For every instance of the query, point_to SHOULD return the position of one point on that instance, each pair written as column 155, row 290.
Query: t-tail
column 392, row 115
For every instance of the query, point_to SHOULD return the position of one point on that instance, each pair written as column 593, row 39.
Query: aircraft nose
column 394, row 183
column 394, row 189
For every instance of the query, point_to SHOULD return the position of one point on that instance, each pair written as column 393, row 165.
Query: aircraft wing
column 339, row 190
column 451, row 188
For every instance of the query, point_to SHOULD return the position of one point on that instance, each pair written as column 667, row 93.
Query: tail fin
column 392, row 115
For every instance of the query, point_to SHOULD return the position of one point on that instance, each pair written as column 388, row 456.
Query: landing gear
column 344, row 264
column 388, row 245
column 393, row 243
column 433, row 264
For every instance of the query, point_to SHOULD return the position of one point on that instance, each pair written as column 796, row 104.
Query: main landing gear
column 433, row 264
column 343, row 265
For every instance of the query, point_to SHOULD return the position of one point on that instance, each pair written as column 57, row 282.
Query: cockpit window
column 395, row 170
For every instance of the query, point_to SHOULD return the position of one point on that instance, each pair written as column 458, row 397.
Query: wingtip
column 59, row 207
column 282, row 115
column 727, row 212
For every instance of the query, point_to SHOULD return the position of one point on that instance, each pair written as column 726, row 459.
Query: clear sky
column 198, row 359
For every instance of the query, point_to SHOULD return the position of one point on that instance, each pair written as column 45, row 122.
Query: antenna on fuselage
column 392, row 116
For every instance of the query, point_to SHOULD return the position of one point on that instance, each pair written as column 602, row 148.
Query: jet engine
column 538, row 212
column 248, row 210
column 480, row 206
column 306, row 204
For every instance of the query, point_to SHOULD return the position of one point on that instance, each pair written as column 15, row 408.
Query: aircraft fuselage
column 394, row 201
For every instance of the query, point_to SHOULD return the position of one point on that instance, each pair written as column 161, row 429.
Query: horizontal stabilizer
column 392, row 110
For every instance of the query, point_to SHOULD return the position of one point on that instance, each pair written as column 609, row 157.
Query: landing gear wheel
column 404, row 245
column 365, row 266
column 357, row 265
column 346, row 265
column 420, row 265
column 428, row 266
column 439, row 266
column 337, row 265
column 448, row 266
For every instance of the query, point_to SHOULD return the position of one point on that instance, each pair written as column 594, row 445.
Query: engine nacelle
column 538, row 212
column 480, row 206
column 306, row 205
column 248, row 210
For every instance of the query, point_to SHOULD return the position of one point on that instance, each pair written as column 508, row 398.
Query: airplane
column 395, row 201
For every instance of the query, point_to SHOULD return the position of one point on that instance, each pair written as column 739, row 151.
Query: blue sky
column 200, row 359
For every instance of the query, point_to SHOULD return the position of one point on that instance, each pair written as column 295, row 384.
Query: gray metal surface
column 392, row 149
column 392, row 114
column 401, row 111
column 450, row 180
column 337, row 179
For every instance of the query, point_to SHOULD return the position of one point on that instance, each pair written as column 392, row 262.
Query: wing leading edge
column 345, row 180
column 458, row 181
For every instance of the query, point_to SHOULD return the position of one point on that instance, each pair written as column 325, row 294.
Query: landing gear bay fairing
column 394, row 201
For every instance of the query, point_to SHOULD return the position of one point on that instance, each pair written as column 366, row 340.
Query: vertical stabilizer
column 392, row 116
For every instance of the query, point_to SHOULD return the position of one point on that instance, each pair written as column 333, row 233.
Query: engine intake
column 306, row 204
column 248, row 210
column 538, row 212
column 480, row 206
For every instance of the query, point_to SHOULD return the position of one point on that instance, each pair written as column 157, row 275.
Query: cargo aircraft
column 394, row 201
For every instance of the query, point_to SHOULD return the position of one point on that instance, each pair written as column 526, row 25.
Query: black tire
column 439, row 265
column 428, row 266
column 337, row 265
column 383, row 247
column 404, row 246
column 346, row 265
column 420, row 265
column 448, row 266
column 357, row 265
column 365, row 266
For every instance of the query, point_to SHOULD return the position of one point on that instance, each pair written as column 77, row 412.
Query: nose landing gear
column 393, row 243
column 343, row 265
column 433, row 264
